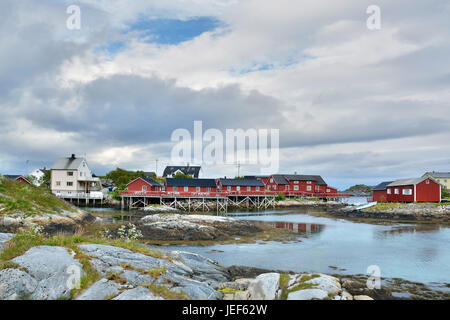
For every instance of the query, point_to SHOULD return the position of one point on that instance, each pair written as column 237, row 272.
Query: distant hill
column 360, row 189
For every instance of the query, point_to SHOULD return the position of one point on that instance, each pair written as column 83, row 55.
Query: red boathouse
column 144, row 185
column 414, row 190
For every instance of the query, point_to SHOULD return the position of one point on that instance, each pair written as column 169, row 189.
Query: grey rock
column 308, row 294
column 362, row 297
column 100, row 290
column 53, row 268
column 326, row 283
column 139, row 293
column 136, row 278
column 4, row 237
column 264, row 286
column 16, row 284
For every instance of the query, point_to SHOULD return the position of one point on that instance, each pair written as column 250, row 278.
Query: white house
column 71, row 177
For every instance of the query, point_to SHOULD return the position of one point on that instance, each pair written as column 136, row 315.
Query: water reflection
column 408, row 229
column 301, row 228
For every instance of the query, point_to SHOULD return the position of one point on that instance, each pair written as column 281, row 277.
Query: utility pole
column 27, row 162
column 156, row 166
column 238, row 168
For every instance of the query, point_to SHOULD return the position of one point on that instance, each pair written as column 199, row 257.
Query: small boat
column 365, row 206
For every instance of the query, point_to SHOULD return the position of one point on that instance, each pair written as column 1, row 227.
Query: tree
column 122, row 177
column 181, row 175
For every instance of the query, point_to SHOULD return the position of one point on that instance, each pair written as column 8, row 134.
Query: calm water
column 412, row 252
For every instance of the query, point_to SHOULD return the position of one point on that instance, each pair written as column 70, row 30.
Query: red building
column 306, row 184
column 414, row 190
column 380, row 192
column 180, row 186
column 241, row 186
column 18, row 178
column 144, row 185
column 277, row 183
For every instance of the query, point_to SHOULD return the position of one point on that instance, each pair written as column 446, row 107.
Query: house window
column 428, row 181
column 175, row 189
column 328, row 190
column 186, row 189
column 257, row 188
column 388, row 191
column 70, row 173
column 197, row 189
column 229, row 188
column 209, row 189
column 144, row 188
column 69, row 183
column 308, row 188
column 238, row 188
column 296, row 188
column 58, row 183
column 295, row 182
column 407, row 192
column 308, row 182
column 249, row 188
column 396, row 191
column 271, row 180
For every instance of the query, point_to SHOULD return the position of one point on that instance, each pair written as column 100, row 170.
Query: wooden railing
column 233, row 193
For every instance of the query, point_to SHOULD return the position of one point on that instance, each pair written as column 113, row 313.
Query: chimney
column 72, row 157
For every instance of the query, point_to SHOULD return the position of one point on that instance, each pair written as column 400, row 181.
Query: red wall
column 136, row 186
column 380, row 196
column 400, row 197
column 190, row 189
column 428, row 192
column 21, row 179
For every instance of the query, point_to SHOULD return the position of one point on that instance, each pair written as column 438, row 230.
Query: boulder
column 16, row 284
column 138, row 293
column 55, row 270
column 4, row 237
column 264, row 286
column 100, row 290
column 326, row 283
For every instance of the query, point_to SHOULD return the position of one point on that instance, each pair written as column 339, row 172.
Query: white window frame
column 308, row 182
column 249, row 188
column 389, row 191
column 197, row 189
column 396, row 191
column 229, row 188
column 186, row 189
column 144, row 188
column 295, row 182
column 257, row 188
column 238, row 188
column 308, row 188
column 407, row 192
column 295, row 188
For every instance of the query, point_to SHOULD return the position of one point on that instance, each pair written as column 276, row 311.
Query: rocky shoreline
column 41, row 273
column 412, row 213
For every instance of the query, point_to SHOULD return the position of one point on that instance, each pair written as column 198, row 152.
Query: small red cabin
column 144, row 185
column 18, row 178
column 277, row 183
column 414, row 190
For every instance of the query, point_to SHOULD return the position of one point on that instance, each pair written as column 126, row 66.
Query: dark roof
column 438, row 174
column 179, row 182
column 71, row 163
column 279, row 179
column 150, row 174
column 189, row 170
column 242, row 182
column 382, row 186
column 152, row 182
column 300, row 177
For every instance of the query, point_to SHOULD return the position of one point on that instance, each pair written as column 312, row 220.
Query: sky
column 352, row 104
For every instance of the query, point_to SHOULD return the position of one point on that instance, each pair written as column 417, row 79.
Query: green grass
column 166, row 293
column 157, row 272
column 284, row 281
column 28, row 199
column 381, row 207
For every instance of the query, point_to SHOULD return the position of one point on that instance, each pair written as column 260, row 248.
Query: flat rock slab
column 100, row 290
column 139, row 293
column 326, row 283
column 55, row 270
column 264, row 286
column 308, row 294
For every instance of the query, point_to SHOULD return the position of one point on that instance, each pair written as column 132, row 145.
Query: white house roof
column 71, row 163
column 406, row 182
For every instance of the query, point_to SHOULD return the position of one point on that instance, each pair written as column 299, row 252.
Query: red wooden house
column 18, row 178
column 306, row 184
column 241, row 186
column 277, row 183
column 180, row 186
column 144, row 185
column 380, row 192
column 414, row 190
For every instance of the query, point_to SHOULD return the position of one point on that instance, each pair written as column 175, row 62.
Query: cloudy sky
column 352, row 104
